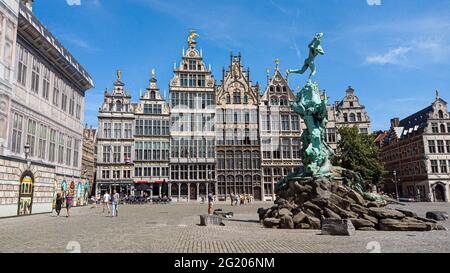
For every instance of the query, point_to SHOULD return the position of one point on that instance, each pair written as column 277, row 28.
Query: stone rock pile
column 303, row 203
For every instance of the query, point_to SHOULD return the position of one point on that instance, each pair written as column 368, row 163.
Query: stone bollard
column 211, row 220
column 343, row 227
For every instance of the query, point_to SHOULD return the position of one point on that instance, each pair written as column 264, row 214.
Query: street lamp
column 396, row 184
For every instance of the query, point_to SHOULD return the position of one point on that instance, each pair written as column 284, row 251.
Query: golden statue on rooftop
column 119, row 73
column 192, row 35
column 153, row 74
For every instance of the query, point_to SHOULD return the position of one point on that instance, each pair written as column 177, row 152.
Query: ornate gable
column 236, row 82
column 277, row 87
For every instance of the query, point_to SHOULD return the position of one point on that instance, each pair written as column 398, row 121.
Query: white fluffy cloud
column 73, row 2
column 393, row 56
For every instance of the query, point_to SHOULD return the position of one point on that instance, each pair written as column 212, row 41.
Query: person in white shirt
column 106, row 199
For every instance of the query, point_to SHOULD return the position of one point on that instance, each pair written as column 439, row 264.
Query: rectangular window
column 285, row 147
column 116, row 154
column 22, row 66
column 107, row 130
column 285, row 122
column 440, row 146
column 76, row 148
column 31, row 136
column 128, row 131
column 447, row 144
column 56, row 87
column 434, row 127
column 117, row 130
column 138, row 150
column 432, row 146
column 35, row 73
column 127, row 154
column 295, row 124
column 42, row 141
column 105, row 174
column 434, row 166
column 78, row 108
column 52, row 146
column 443, row 165
column 45, row 82
column 72, row 104
column 106, row 154
column 64, row 97
column 61, row 149
column 192, row 64
column 183, row 80
column 16, row 141
column 295, row 148
column 68, row 151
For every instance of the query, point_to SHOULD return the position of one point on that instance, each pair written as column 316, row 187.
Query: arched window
column 118, row 106
column 271, row 88
column 245, row 99
column 278, row 88
column 442, row 128
column 352, row 117
column 441, row 114
column 152, row 95
column 255, row 160
column 283, row 101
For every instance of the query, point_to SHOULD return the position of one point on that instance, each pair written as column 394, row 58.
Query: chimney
column 395, row 122
column 28, row 4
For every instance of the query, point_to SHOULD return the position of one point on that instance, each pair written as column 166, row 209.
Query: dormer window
column 237, row 97
column 441, row 114
column 274, row 101
column 351, row 104
column 271, row 88
column 192, row 64
column 118, row 106
column 152, row 95
column 278, row 89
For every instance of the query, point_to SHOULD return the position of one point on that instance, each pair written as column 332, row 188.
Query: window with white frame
column 35, row 74
column 76, row 148
column 16, row 140
column 68, row 151
column 52, row 146
column 31, row 136
column 22, row 65
column 56, row 90
column 42, row 147
column 45, row 82
column 64, row 97
column 61, row 148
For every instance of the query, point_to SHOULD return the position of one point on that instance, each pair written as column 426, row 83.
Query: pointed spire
column 182, row 52
column 268, row 75
column 140, row 92
column 437, row 95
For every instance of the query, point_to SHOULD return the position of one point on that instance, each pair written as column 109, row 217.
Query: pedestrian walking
column 210, row 203
column 106, row 199
column 232, row 198
column 114, row 203
column 68, row 202
column 58, row 205
column 236, row 199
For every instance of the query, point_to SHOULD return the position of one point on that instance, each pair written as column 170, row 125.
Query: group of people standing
column 61, row 197
column 113, row 199
column 241, row 199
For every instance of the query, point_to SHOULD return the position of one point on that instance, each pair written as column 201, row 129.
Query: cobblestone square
column 175, row 228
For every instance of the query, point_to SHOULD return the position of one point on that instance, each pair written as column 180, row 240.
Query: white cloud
column 374, row 2
column 73, row 2
column 393, row 56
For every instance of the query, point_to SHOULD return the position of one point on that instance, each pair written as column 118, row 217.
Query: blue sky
column 395, row 55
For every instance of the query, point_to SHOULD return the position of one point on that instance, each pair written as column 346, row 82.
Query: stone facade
column 151, row 143
column 237, row 133
column 347, row 112
column 192, row 116
column 417, row 148
column 45, row 112
column 280, row 133
column 88, row 160
column 115, row 140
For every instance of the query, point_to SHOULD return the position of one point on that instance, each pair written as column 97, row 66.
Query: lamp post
column 396, row 184
column 27, row 153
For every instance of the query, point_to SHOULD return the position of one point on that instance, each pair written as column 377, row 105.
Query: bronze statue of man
column 314, row 49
